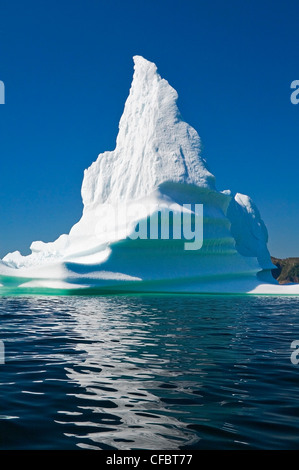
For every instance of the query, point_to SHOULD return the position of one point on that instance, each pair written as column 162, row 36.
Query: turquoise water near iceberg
column 149, row 372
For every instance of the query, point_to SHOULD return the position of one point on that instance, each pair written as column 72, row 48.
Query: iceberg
column 155, row 177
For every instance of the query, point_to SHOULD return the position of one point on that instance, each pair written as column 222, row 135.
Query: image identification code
column 155, row 459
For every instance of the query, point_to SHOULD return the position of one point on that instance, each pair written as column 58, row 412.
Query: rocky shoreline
column 286, row 271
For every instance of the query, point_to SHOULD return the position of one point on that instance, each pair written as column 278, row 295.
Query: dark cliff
column 287, row 270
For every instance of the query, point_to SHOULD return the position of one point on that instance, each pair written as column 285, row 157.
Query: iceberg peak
column 144, row 66
column 154, row 145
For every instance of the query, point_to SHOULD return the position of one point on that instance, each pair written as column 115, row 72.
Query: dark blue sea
column 149, row 372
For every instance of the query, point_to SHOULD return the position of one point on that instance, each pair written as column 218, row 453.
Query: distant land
column 287, row 270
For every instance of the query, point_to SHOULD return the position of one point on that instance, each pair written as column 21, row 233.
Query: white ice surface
column 157, row 161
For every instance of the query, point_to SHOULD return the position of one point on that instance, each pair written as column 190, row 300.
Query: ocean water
column 149, row 372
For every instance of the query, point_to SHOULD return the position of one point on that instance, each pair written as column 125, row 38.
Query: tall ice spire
column 153, row 145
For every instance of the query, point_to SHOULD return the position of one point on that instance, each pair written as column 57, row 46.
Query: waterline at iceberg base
column 157, row 162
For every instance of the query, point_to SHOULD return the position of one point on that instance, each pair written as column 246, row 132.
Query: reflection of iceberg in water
column 118, row 378
column 166, row 372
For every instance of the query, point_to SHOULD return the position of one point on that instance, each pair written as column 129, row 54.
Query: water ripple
column 146, row 372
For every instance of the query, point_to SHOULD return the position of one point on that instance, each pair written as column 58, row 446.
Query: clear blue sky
column 67, row 67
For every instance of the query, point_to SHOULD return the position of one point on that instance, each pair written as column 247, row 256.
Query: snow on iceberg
column 157, row 164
